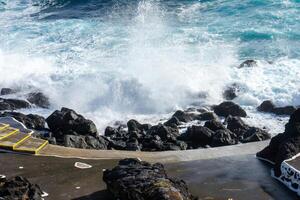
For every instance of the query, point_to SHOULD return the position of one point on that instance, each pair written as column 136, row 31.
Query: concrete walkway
column 165, row 157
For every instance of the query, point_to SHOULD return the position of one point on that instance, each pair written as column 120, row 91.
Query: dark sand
column 238, row 177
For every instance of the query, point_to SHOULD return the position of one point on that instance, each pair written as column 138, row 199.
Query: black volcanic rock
column 13, row 104
column 19, row 188
column 207, row 116
column 197, row 136
column 284, row 145
column 231, row 92
column 136, row 180
column 236, row 125
column 268, row 106
column 173, row 121
column 85, row 142
column 30, row 121
column 248, row 63
column 164, row 132
column 7, row 91
column 184, row 116
column 223, row 137
column 214, row 125
column 229, row 108
column 68, row 122
column 39, row 99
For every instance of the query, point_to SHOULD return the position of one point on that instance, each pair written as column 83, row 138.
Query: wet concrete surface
column 237, row 177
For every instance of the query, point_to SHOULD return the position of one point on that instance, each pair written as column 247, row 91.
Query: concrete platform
column 13, row 140
column 236, row 177
column 165, row 157
column 5, row 132
column 31, row 145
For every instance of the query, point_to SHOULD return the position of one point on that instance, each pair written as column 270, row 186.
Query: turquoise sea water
column 116, row 59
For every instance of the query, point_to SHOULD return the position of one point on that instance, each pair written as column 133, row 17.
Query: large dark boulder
column 285, row 145
column 31, row 121
column 184, row 116
column 7, row 91
column 136, row 180
column 229, row 108
column 13, row 104
column 173, row 121
column 197, row 136
column 214, row 125
column 236, row 125
column 286, row 110
column 245, row 133
column 166, row 133
column 39, row 99
column 254, row 134
column 19, row 188
column 68, row 122
column 85, row 142
column 207, row 116
column 223, row 137
column 268, row 106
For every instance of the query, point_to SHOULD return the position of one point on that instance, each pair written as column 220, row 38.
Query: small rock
column 248, row 63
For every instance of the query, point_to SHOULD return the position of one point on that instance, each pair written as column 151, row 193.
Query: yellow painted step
column 10, row 142
column 7, row 132
column 31, row 145
column 3, row 126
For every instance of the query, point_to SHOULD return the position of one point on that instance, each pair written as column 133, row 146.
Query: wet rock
column 236, row 125
column 248, row 63
column 287, row 110
column 13, row 104
column 117, row 144
column 85, row 142
column 164, row 132
column 110, row 131
column 223, row 137
column 284, row 145
column 254, row 134
column 19, row 188
column 268, row 106
column 174, row 122
column 231, row 92
column 207, row 116
column 68, row 122
column 39, row 99
column 184, row 116
column 229, row 108
column 214, row 125
column 30, row 121
column 7, row 91
column 245, row 133
column 197, row 136
column 5, row 106
column 136, row 180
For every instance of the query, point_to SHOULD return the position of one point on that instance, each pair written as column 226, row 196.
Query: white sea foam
column 142, row 66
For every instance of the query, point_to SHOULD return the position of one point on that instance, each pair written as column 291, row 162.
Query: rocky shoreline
column 202, row 127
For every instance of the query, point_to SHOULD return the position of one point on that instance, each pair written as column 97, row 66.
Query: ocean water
column 120, row 59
